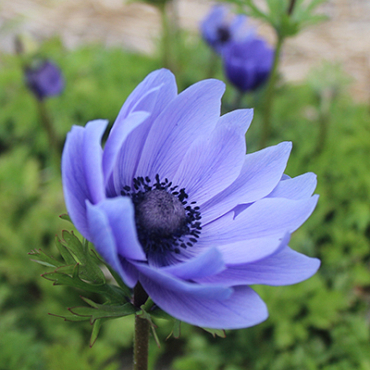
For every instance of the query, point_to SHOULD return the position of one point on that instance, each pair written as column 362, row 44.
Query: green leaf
column 216, row 332
column 80, row 251
column 44, row 259
column 95, row 331
column 71, row 317
column 101, row 311
column 65, row 216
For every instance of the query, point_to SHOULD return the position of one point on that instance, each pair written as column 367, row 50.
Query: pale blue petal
column 252, row 250
column 242, row 309
column 153, row 276
column 103, row 238
column 268, row 217
column 299, row 187
column 117, row 138
column 82, row 179
column 121, row 215
column 211, row 164
column 93, row 153
column 206, row 264
column 283, row 268
column 260, row 174
column 192, row 113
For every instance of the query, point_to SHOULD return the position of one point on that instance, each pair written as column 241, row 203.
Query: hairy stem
column 141, row 339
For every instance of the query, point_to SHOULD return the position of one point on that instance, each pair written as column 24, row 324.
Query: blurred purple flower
column 173, row 202
column 221, row 27
column 248, row 64
column 44, row 79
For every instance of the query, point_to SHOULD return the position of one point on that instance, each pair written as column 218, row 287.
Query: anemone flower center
column 223, row 34
column 164, row 219
column 160, row 213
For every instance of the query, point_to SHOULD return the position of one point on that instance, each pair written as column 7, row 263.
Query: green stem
column 238, row 100
column 269, row 95
column 50, row 132
column 142, row 326
column 166, row 37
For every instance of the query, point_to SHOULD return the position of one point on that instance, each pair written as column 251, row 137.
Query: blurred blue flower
column 173, row 202
column 44, row 79
column 221, row 27
column 248, row 64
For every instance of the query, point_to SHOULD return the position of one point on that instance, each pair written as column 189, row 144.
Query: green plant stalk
column 324, row 120
column 166, row 37
column 237, row 103
column 50, row 132
column 141, row 343
column 270, row 94
column 142, row 326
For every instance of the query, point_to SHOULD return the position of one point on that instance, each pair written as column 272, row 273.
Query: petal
column 104, row 241
column 242, row 309
column 192, row 113
column 116, row 139
column 268, row 217
column 252, row 250
column 163, row 89
column 238, row 120
column 121, row 216
column 283, row 268
column 141, row 99
column 82, row 179
column 206, row 264
column 299, row 187
column 92, row 152
column 260, row 174
column 158, row 277
column 211, row 164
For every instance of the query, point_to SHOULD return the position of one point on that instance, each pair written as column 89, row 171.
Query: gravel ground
column 136, row 26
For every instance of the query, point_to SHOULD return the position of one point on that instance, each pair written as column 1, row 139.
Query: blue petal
column 299, row 187
column 121, row 215
column 117, row 138
column 242, row 309
column 192, row 113
column 238, row 120
column 81, row 171
column 104, row 240
column 141, row 99
column 268, row 217
column 252, row 250
column 283, row 268
column 151, row 96
column 211, row 164
column 206, row 264
column 150, row 276
column 260, row 174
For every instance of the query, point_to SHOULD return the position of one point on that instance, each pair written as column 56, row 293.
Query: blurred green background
column 322, row 323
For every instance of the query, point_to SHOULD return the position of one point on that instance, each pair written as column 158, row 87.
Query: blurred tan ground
column 344, row 38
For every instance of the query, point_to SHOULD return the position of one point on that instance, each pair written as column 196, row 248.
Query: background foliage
column 322, row 323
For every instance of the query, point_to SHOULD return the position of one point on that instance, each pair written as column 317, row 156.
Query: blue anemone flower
column 248, row 64
column 44, row 79
column 173, row 203
column 221, row 27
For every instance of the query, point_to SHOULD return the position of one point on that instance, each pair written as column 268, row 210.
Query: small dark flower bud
column 44, row 79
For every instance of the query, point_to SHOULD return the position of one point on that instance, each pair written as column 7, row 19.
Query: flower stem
column 141, row 339
column 269, row 95
column 47, row 124
column 141, row 344
column 166, row 38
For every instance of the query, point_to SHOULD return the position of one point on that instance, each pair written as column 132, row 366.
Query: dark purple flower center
column 223, row 34
column 164, row 219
